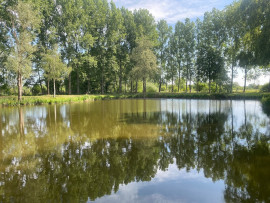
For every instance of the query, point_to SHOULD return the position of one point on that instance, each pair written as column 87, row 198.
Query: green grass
column 37, row 100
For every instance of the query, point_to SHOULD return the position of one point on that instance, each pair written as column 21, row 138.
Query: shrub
column 36, row 90
column 266, row 105
column 265, row 88
column 151, row 88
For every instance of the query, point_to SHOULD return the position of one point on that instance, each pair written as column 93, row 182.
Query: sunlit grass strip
column 37, row 100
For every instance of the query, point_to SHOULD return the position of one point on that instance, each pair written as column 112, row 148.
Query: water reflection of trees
column 60, row 155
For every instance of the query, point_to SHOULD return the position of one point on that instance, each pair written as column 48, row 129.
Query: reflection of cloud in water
column 173, row 172
column 170, row 186
column 126, row 193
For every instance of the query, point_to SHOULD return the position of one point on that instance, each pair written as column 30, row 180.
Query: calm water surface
column 136, row 151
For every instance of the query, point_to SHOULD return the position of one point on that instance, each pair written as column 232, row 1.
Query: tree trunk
column 78, row 82
column 120, row 78
column 172, row 83
column 88, row 86
column 186, row 85
column 48, row 87
column 69, row 84
column 179, row 80
column 125, row 87
column 40, row 83
column 232, row 80
column 179, row 77
column 102, row 83
column 144, row 87
column 19, row 86
column 53, row 87
column 209, row 86
column 245, row 82
column 160, row 83
column 136, row 90
column 131, row 86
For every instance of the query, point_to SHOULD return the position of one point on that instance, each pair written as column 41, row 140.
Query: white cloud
column 172, row 10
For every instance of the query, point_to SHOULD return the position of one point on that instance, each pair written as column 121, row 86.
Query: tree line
column 91, row 46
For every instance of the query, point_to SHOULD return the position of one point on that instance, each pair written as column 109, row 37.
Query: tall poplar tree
column 164, row 32
column 54, row 68
column 22, row 22
column 144, row 60
column 179, row 49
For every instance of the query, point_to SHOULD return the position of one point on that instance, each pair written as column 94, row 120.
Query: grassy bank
column 36, row 100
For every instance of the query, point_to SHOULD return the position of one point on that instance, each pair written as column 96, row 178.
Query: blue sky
column 174, row 10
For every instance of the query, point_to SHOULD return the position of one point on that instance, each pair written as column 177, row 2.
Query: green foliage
column 98, row 42
column 36, row 90
column 54, row 68
column 265, row 88
column 22, row 23
column 144, row 61
column 266, row 104
column 151, row 88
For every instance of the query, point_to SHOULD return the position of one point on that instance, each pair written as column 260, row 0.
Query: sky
column 175, row 10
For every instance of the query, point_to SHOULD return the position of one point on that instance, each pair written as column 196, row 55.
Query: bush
column 36, row 90
column 265, row 88
column 266, row 105
column 27, row 91
column 266, row 101
column 5, row 90
column 151, row 88
column 201, row 87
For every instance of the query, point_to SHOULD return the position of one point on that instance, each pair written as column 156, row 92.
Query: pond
column 160, row 150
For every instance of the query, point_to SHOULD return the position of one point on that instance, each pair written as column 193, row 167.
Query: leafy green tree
column 179, row 49
column 146, row 26
column 209, row 64
column 70, row 22
column 53, row 66
column 145, row 61
column 234, row 30
column 46, row 37
column 22, row 23
column 171, row 61
column 164, row 32
column 118, row 42
column 4, row 50
column 254, row 14
column 189, row 51
column 246, row 61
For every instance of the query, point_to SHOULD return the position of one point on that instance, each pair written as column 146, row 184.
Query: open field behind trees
column 86, row 46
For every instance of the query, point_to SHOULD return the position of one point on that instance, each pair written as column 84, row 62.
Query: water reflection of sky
column 240, row 111
column 216, row 136
column 173, row 185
